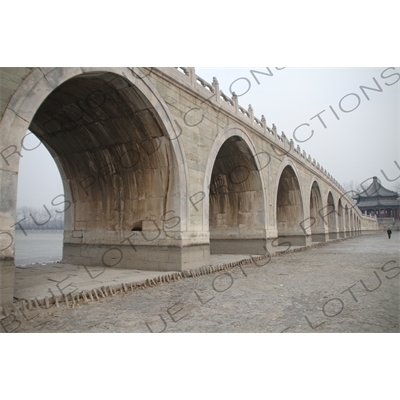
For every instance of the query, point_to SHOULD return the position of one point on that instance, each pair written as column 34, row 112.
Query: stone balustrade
column 232, row 106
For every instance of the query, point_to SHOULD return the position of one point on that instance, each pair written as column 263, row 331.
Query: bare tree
column 30, row 218
column 396, row 187
column 353, row 189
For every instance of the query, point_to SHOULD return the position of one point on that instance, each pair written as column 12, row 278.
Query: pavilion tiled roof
column 377, row 190
column 379, row 203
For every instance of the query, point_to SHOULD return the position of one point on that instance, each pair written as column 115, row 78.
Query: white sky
column 356, row 147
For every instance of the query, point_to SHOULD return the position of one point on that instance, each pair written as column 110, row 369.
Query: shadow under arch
column 351, row 223
column 235, row 201
column 347, row 221
column 341, row 219
column 290, row 208
column 331, row 217
column 316, row 221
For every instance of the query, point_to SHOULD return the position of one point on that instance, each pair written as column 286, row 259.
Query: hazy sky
column 360, row 137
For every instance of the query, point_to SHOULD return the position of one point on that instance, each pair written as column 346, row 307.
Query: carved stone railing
column 184, row 70
column 244, row 112
column 224, row 97
column 188, row 76
column 205, row 84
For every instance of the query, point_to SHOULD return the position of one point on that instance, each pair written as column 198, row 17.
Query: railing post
column 215, row 84
column 192, row 76
column 235, row 102
column 251, row 112
column 264, row 122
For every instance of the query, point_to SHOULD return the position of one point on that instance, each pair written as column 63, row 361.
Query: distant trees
column 396, row 188
column 31, row 218
column 353, row 187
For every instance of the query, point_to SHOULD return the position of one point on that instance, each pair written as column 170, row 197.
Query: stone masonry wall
column 10, row 79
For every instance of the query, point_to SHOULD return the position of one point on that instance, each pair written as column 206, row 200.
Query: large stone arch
column 351, row 217
column 116, row 147
column 316, row 221
column 347, row 220
column 331, row 216
column 290, row 214
column 234, row 208
column 341, row 217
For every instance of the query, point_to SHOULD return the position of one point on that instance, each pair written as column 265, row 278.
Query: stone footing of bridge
column 238, row 246
column 150, row 258
column 7, row 271
column 325, row 237
column 261, row 246
column 292, row 240
column 319, row 237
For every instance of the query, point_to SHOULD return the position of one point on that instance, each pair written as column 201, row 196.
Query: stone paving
column 347, row 286
column 41, row 280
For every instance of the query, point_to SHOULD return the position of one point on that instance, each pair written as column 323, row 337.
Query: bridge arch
column 234, row 207
column 290, row 215
column 351, row 216
column 316, row 209
column 114, row 142
column 347, row 220
column 331, row 216
column 341, row 217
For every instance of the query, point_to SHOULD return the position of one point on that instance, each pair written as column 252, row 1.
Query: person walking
column 389, row 232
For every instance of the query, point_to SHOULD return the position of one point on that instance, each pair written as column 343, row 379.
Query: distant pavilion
column 376, row 200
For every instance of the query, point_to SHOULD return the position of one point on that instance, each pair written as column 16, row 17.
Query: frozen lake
column 38, row 247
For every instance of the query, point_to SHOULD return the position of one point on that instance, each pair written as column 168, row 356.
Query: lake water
column 38, row 247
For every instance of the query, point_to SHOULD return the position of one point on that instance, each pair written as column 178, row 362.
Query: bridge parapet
column 187, row 77
column 369, row 224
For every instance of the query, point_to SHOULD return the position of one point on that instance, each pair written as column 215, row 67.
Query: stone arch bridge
column 160, row 168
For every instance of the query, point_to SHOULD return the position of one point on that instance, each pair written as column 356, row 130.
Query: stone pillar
column 251, row 113
column 10, row 80
column 8, row 195
column 264, row 123
column 235, row 102
column 217, row 92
